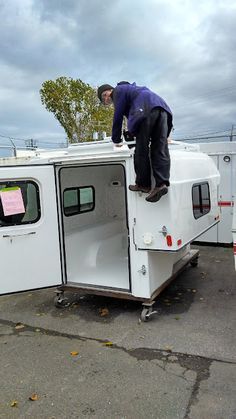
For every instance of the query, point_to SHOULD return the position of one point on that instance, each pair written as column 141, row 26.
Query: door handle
column 10, row 236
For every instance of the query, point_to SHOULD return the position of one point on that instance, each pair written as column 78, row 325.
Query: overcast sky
column 184, row 50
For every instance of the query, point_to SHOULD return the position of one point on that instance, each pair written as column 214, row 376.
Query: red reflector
column 235, row 248
column 179, row 242
column 169, row 240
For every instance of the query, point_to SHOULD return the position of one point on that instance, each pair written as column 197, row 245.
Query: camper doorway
column 94, row 226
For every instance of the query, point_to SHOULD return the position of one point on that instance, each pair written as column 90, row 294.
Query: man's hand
column 128, row 136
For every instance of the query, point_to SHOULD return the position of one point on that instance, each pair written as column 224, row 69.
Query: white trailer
column 224, row 156
column 81, row 228
column 234, row 233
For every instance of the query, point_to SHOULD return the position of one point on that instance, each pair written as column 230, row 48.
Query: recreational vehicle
column 68, row 219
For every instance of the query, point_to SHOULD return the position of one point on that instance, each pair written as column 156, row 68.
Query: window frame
column 202, row 213
column 78, row 210
column 14, row 182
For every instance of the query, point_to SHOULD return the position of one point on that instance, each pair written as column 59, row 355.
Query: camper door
column 29, row 240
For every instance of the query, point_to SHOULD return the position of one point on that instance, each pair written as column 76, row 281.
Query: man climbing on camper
column 150, row 121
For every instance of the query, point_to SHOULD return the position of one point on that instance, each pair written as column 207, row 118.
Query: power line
column 208, row 96
column 204, row 132
column 206, row 138
column 31, row 140
column 227, row 132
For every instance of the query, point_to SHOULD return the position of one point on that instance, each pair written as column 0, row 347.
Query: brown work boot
column 137, row 188
column 157, row 193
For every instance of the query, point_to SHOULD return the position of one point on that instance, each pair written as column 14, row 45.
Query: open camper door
column 29, row 238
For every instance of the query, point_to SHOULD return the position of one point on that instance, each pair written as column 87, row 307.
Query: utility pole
column 232, row 132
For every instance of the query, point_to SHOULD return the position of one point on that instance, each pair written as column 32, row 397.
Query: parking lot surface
column 96, row 359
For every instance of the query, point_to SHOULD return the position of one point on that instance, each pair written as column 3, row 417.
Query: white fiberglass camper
column 68, row 219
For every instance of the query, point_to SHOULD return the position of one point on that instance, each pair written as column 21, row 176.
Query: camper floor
column 94, row 359
column 112, row 273
column 98, row 255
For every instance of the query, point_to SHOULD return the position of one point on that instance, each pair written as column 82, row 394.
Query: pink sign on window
column 12, row 201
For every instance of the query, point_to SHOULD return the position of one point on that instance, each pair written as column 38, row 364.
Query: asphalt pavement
column 95, row 359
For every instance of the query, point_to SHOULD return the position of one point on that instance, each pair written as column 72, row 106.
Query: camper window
column 201, row 199
column 19, row 202
column 78, row 200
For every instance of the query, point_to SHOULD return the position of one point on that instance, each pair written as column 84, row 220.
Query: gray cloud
column 182, row 50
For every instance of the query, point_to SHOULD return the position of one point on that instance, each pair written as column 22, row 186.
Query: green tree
column 76, row 106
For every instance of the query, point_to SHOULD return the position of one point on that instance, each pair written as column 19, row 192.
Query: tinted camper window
column 78, row 200
column 201, row 199
column 19, row 202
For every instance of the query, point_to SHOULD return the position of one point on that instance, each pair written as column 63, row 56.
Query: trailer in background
column 224, row 156
column 234, row 233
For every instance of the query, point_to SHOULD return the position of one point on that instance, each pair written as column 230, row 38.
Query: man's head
column 104, row 94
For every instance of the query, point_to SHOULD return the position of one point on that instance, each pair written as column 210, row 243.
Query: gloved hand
column 128, row 136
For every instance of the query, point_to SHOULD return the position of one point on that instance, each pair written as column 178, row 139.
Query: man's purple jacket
column 136, row 103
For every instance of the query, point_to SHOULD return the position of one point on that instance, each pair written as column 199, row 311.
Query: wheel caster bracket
column 147, row 311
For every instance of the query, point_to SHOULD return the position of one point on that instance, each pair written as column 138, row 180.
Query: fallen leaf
column 177, row 318
column 19, row 326
column 33, row 397
column 74, row 353
column 168, row 348
column 14, row 403
column 108, row 344
column 103, row 312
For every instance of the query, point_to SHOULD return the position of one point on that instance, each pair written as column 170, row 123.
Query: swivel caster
column 60, row 301
column 194, row 262
column 147, row 312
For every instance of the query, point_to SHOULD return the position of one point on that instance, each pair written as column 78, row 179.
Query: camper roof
column 81, row 151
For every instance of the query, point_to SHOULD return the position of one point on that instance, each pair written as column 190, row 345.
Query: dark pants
column 152, row 131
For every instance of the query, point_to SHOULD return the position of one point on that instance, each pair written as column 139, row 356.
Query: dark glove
column 128, row 136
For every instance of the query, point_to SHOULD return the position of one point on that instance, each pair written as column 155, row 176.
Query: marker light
column 169, row 240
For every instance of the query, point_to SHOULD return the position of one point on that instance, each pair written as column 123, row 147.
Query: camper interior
column 95, row 225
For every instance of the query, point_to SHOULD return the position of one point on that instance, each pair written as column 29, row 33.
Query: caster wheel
column 61, row 302
column 145, row 314
column 194, row 263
